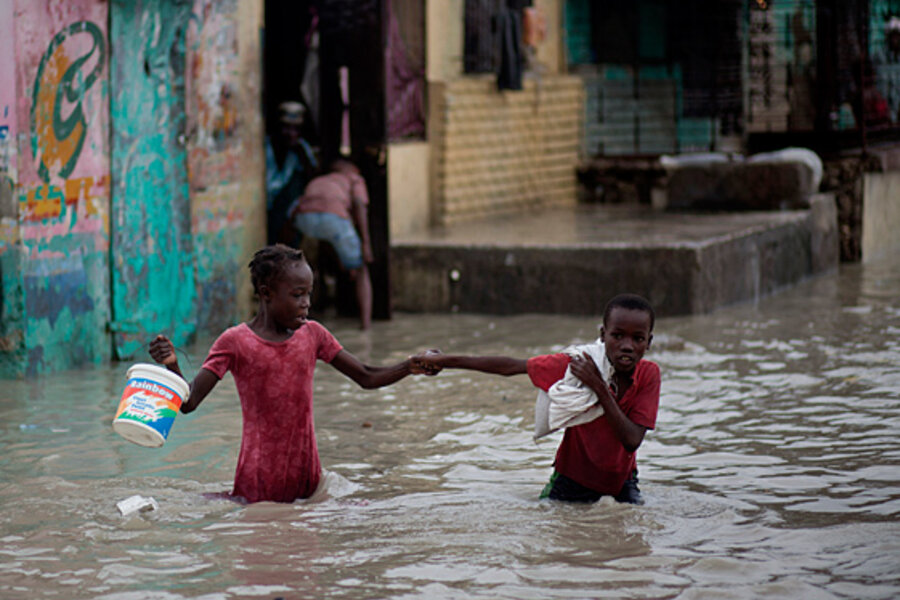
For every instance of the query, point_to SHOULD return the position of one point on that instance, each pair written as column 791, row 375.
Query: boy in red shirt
column 596, row 458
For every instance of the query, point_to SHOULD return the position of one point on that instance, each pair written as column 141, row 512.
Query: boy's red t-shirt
column 279, row 459
column 591, row 454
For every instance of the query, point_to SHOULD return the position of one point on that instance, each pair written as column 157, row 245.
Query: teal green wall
column 152, row 251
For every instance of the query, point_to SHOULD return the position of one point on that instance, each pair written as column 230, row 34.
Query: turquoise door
column 150, row 219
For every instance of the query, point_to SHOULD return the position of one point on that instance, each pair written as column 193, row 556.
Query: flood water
column 773, row 472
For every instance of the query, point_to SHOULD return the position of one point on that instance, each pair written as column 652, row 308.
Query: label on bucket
column 146, row 403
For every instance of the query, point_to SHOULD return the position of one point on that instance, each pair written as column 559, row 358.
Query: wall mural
column 58, row 122
column 61, row 186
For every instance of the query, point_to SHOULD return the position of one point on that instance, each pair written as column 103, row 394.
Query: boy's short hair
column 270, row 262
column 629, row 302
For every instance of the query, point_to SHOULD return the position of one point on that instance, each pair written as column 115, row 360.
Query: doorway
column 329, row 55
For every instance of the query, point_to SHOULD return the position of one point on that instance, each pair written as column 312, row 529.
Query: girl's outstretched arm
column 163, row 351
column 367, row 376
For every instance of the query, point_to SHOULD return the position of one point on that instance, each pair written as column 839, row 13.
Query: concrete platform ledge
column 572, row 260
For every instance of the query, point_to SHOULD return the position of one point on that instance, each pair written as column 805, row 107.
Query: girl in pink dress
column 272, row 358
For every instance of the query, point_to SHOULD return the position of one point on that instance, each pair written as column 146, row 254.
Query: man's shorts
column 335, row 230
column 562, row 488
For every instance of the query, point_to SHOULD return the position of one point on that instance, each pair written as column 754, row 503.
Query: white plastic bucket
column 150, row 402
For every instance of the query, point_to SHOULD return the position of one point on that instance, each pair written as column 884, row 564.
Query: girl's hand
column 163, row 351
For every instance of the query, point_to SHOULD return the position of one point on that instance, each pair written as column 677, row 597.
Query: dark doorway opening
column 329, row 55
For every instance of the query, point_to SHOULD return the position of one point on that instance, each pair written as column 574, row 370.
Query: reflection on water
column 773, row 472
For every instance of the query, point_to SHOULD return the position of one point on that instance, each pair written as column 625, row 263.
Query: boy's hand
column 163, row 351
column 584, row 368
column 424, row 363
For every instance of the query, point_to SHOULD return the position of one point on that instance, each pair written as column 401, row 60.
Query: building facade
column 132, row 132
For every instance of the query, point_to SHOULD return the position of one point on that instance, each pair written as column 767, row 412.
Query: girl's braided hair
column 270, row 262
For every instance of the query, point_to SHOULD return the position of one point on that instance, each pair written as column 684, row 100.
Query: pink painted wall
column 55, row 159
column 7, row 94
column 62, row 180
column 64, row 152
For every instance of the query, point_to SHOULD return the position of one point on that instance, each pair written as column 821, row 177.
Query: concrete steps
column 572, row 260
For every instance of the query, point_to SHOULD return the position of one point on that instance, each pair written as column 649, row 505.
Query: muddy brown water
column 773, row 472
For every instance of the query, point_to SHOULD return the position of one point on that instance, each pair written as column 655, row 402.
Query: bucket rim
column 177, row 382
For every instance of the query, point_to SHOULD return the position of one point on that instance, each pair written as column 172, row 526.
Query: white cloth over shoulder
column 569, row 401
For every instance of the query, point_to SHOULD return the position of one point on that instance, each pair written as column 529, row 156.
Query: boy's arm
column 495, row 365
column 163, row 351
column 629, row 433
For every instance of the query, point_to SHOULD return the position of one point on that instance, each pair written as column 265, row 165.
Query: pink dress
column 279, row 459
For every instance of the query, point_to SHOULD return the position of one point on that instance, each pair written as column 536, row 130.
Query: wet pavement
column 600, row 225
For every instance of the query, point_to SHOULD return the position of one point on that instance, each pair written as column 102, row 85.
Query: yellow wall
column 495, row 151
column 408, row 210
column 444, row 29
column 550, row 53
column 499, row 152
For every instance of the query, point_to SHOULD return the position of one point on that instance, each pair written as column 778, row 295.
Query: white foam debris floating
column 136, row 503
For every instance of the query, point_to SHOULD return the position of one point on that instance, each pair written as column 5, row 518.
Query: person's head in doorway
column 291, row 115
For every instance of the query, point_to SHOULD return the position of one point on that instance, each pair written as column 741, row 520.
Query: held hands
column 425, row 363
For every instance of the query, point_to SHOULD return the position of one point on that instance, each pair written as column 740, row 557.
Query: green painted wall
column 152, row 251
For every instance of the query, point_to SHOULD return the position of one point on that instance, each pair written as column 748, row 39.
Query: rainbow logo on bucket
column 149, row 405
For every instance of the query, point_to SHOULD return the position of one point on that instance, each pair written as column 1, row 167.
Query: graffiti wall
column 61, row 181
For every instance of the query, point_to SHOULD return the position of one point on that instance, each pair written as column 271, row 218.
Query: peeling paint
column 153, row 284
column 217, row 158
column 51, row 284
